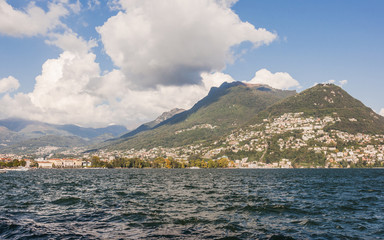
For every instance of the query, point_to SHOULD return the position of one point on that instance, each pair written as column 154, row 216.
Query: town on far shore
column 291, row 140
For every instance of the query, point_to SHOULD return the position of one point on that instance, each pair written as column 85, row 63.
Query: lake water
column 192, row 204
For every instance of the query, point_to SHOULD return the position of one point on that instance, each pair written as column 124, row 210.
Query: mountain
column 224, row 108
column 45, row 145
column 330, row 100
column 91, row 133
column 20, row 131
column 320, row 127
column 152, row 124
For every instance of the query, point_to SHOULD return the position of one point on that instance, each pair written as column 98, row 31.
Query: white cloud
column 215, row 79
column 382, row 112
column 70, row 89
column 340, row 83
column 168, row 54
column 173, row 42
column 32, row 21
column 343, row 82
column 92, row 4
column 280, row 80
column 61, row 93
column 148, row 104
column 70, row 41
column 75, row 7
column 114, row 5
column 9, row 84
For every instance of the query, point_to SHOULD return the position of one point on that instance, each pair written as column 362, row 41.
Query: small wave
column 233, row 227
column 138, row 193
column 370, row 199
column 281, row 237
column 349, row 208
column 7, row 227
column 190, row 187
column 10, row 229
column 191, row 220
column 370, row 191
column 309, row 222
column 278, row 208
column 67, row 201
column 135, row 216
column 121, row 194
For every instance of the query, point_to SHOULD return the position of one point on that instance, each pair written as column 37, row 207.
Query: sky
column 95, row 63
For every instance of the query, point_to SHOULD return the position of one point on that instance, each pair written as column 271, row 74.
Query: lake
column 192, row 204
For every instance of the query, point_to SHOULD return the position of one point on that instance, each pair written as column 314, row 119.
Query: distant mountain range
column 22, row 135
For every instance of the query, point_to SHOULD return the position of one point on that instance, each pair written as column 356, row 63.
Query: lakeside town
column 274, row 143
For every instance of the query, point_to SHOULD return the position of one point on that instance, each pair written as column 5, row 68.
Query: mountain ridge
column 212, row 116
column 18, row 130
column 330, row 99
column 150, row 125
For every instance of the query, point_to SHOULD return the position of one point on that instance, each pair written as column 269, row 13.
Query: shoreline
column 17, row 170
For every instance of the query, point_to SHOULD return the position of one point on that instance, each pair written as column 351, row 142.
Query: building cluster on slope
column 312, row 137
column 201, row 126
column 292, row 132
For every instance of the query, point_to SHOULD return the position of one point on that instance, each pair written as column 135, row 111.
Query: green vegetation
column 31, row 145
column 329, row 100
column 158, row 162
column 233, row 107
column 226, row 108
column 12, row 164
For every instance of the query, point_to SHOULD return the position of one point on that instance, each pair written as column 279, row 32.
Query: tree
column 96, row 162
column 211, row 164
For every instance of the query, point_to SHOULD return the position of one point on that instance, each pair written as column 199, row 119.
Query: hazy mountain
column 91, row 133
column 19, row 131
column 152, row 124
column 45, row 145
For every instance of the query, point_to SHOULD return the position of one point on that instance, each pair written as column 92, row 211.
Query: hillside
column 329, row 99
column 257, row 126
column 45, row 145
column 149, row 125
column 15, row 133
column 225, row 108
column 320, row 127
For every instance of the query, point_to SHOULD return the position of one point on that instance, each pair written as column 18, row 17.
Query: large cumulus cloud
column 173, row 42
column 9, row 84
column 167, row 54
column 33, row 20
column 71, row 89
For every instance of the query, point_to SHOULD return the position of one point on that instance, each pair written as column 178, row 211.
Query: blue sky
column 126, row 62
column 324, row 40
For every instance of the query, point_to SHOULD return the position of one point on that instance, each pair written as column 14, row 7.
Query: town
column 274, row 143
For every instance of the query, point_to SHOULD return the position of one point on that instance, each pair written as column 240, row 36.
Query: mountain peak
column 166, row 115
column 150, row 125
column 331, row 100
column 224, row 108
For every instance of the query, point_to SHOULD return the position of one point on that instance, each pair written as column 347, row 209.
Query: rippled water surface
column 192, row 204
